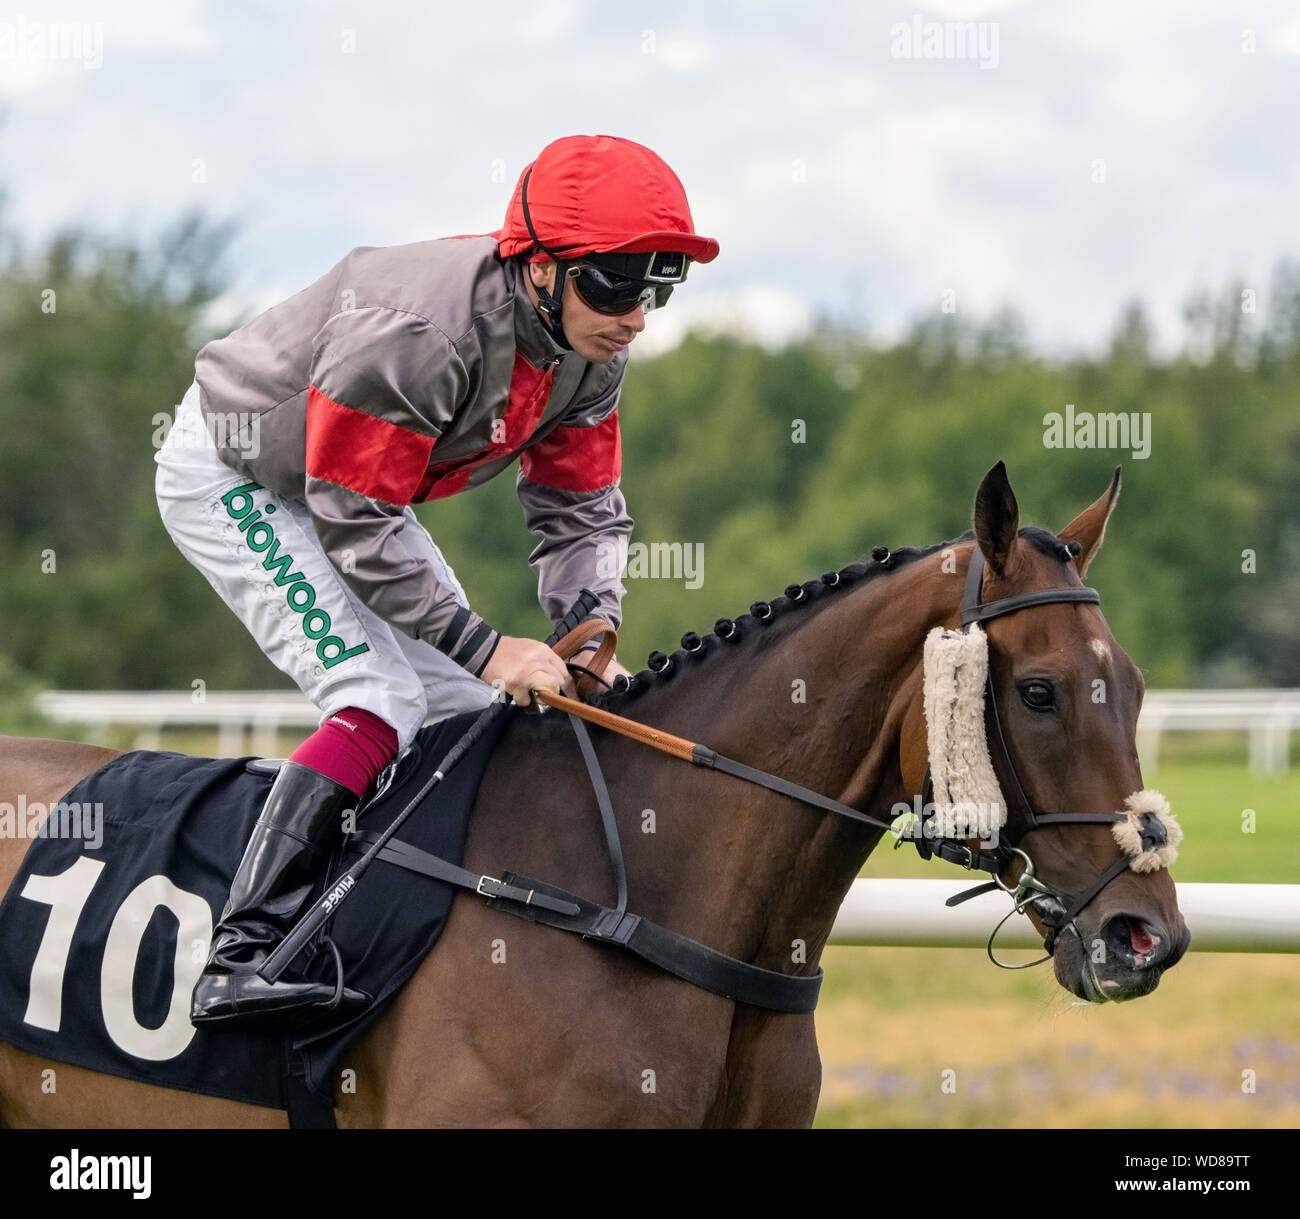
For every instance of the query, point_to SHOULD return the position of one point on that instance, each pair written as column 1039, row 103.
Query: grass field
column 892, row 1020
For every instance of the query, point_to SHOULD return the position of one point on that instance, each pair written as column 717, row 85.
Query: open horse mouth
column 1124, row 961
column 1133, row 940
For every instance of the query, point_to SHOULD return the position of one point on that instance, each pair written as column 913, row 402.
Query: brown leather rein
column 666, row 742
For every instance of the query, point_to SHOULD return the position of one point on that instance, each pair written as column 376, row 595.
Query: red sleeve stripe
column 576, row 458
column 370, row 456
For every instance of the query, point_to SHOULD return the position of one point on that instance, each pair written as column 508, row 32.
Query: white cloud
column 1286, row 40
column 685, row 53
column 967, row 9
column 836, row 177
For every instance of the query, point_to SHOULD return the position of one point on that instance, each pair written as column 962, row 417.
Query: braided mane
column 727, row 632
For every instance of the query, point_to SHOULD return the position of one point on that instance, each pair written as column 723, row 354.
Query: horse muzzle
column 1123, row 959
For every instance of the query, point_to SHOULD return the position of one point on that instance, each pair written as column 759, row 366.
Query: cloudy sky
column 854, row 159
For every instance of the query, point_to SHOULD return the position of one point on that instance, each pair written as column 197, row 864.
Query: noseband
column 1058, row 910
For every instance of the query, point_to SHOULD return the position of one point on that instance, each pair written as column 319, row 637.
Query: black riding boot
column 284, row 859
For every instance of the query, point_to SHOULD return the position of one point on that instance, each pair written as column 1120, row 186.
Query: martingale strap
column 413, row 859
column 607, row 821
column 676, row 954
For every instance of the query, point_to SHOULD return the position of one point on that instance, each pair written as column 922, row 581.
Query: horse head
column 1084, row 846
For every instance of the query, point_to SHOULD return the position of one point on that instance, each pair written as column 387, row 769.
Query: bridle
column 1057, row 910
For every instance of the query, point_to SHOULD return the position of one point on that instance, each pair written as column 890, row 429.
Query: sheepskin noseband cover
column 967, row 799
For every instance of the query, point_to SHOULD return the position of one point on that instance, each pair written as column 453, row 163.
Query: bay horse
column 508, row 1023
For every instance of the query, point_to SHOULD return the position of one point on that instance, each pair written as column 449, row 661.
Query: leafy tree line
column 763, row 466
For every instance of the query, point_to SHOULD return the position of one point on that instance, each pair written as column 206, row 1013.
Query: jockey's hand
column 520, row 665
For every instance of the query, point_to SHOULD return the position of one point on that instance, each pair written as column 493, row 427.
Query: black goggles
column 611, row 293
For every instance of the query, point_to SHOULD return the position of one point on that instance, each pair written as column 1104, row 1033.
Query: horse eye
column 1038, row 696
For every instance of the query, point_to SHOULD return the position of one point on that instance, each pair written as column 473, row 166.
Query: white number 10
column 66, row 895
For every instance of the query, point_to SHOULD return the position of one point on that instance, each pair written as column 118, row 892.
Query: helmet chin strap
column 548, row 305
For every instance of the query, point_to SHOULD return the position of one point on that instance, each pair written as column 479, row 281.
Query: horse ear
column 997, row 520
column 1089, row 527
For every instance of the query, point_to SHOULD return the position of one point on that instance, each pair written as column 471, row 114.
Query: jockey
column 407, row 374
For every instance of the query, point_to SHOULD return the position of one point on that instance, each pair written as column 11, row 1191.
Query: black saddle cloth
column 174, row 830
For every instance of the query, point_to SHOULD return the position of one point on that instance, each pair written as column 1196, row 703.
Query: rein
column 699, row 755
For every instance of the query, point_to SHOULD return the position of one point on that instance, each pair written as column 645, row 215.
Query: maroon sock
column 351, row 747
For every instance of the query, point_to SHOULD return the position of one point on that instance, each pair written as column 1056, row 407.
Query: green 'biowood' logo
column 298, row 590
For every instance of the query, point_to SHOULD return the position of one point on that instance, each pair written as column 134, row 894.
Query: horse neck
column 767, row 870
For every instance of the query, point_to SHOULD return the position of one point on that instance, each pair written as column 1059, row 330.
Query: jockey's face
column 596, row 337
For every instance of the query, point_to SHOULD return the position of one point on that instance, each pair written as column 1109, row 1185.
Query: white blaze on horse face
column 1101, row 649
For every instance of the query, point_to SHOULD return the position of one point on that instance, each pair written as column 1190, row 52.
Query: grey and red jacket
column 407, row 374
